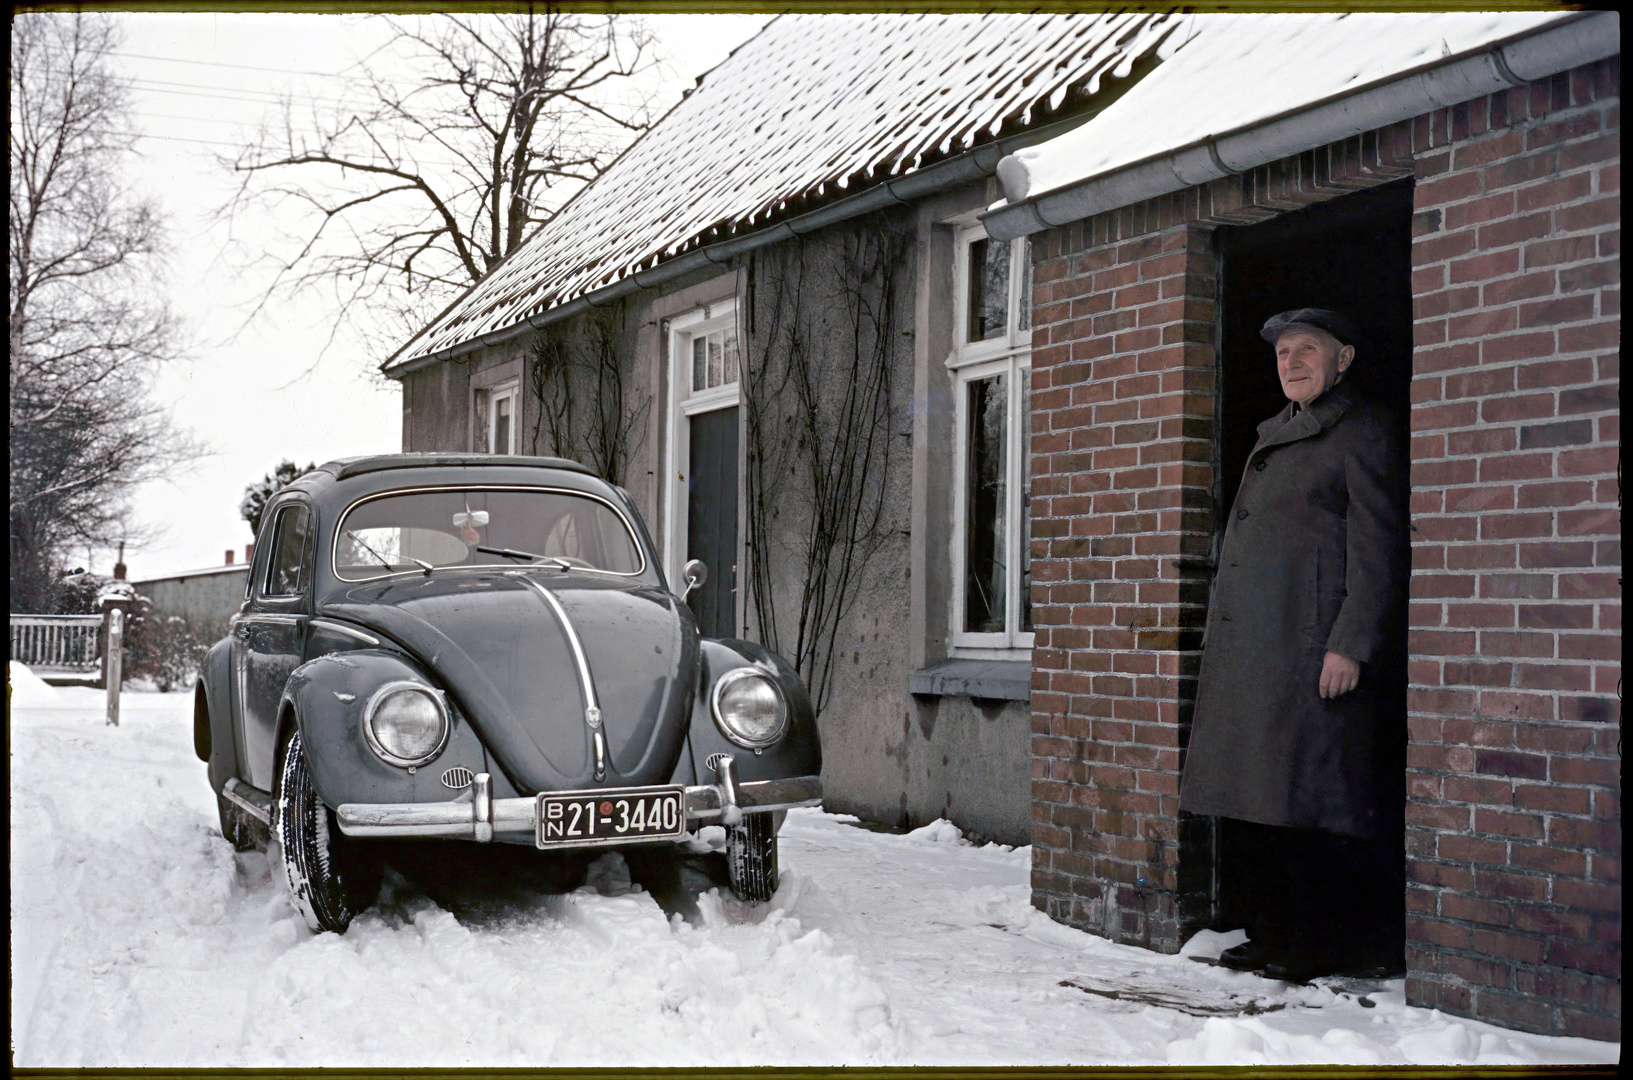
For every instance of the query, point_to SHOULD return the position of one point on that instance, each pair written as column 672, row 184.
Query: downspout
column 1498, row 67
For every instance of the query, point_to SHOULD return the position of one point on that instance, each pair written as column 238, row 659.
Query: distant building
column 202, row 597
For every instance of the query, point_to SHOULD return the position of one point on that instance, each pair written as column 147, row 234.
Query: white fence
column 56, row 642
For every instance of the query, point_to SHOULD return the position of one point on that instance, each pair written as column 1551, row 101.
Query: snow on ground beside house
column 140, row 939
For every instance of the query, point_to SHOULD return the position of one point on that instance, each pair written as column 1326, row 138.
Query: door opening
column 711, row 519
column 1351, row 254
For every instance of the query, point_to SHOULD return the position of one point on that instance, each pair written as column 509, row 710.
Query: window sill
column 999, row 680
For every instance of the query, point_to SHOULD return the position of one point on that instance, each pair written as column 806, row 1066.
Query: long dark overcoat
column 1315, row 558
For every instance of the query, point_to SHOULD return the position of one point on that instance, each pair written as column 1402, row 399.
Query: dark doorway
column 711, row 519
column 1352, row 254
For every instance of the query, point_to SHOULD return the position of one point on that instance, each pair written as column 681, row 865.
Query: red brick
column 1508, row 763
column 1474, row 910
column 1587, row 896
column 1577, row 553
column 1514, row 230
column 1443, row 246
column 1513, row 347
column 1551, row 312
column 1589, row 215
column 1502, row 823
column 1555, row 192
column 1554, row 373
column 1475, row 211
column 1568, row 249
column 1548, row 860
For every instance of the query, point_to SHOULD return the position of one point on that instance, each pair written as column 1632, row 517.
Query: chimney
column 249, row 553
column 229, row 556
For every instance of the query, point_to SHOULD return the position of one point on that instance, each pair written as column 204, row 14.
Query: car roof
column 343, row 468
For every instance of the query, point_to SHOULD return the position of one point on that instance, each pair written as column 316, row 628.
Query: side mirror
column 696, row 573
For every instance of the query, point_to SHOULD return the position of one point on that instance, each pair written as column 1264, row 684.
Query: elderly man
column 1298, row 738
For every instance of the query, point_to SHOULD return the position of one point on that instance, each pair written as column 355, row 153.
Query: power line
column 241, row 146
column 225, row 93
column 242, row 67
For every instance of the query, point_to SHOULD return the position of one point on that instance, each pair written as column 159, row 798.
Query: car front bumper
column 477, row 815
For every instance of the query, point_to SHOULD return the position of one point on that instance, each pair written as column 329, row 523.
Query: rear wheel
column 751, row 857
column 331, row 877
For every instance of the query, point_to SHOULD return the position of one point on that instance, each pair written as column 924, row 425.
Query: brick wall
column 1514, row 818
column 1514, row 813
column 1123, row 459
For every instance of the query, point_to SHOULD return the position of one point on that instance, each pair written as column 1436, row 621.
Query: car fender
column 326, row 699
column 215, row 677
column 798, row 753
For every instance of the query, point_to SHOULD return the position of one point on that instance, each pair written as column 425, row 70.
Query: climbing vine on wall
column 586, row 409
column 818, row 399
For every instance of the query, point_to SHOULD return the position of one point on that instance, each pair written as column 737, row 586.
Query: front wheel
column 331, row 878
column 751, row 857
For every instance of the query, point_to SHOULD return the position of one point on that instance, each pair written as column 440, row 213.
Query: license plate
column 597, row 818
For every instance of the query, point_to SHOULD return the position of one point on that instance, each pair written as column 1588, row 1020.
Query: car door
column 270, row 635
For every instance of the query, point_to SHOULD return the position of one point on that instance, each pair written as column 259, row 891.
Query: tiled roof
column 812, row 107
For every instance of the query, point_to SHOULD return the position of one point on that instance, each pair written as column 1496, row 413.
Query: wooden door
column 711, row 519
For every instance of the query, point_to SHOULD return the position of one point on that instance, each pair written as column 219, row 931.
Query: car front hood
column 505, row 657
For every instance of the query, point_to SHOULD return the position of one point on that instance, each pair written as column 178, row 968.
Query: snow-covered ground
column 140, row 939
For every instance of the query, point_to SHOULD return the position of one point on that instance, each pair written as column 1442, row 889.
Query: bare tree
column 470, row 131
column 85, row 331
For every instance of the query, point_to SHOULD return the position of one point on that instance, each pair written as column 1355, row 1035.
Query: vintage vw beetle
column 484, row 648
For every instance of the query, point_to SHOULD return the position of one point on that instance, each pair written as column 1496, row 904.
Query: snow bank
column 28, row 690
column 140, row 939
column 939, row 831
column 1211, row 944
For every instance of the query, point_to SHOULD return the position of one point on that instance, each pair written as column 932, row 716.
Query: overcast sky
column 257, row 394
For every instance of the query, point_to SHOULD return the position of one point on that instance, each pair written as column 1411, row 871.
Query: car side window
column 285, row 572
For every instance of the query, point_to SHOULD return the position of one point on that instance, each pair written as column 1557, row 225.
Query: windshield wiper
column 561, row 564
column 388, row 564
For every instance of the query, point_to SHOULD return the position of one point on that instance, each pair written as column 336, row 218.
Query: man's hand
column 1339, row 675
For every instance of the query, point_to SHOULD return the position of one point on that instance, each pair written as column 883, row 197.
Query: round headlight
column 749, row 708
column 406, row 724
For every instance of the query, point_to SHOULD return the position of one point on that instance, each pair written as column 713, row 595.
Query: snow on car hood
column 503, row 655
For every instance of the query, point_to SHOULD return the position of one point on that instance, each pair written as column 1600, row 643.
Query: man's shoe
column 1248, row 956
column 1301, row 969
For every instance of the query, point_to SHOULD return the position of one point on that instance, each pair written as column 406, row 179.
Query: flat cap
column 1319, row 318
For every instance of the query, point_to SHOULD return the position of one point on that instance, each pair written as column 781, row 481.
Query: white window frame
column 511, row 392
column 683, row 405
column 1009, row 355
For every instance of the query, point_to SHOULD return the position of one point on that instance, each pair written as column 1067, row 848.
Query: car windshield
column 422, row 530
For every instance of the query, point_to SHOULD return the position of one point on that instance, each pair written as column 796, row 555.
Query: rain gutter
column 1516, row 62
column 973, row 165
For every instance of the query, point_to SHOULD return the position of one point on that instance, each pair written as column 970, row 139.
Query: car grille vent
column 713, row 760
column 458, row 777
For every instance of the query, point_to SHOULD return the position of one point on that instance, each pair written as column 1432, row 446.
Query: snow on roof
column 1225, row 72
column 810, row 107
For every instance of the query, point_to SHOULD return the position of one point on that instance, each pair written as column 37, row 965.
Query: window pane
column 288, row 547
column 715, row 359
column 731, row 355
column 989, row 290
column 501, row 424
column 699, row 355
column 984, row 506
column 1024, row 316
column 1024, row 556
